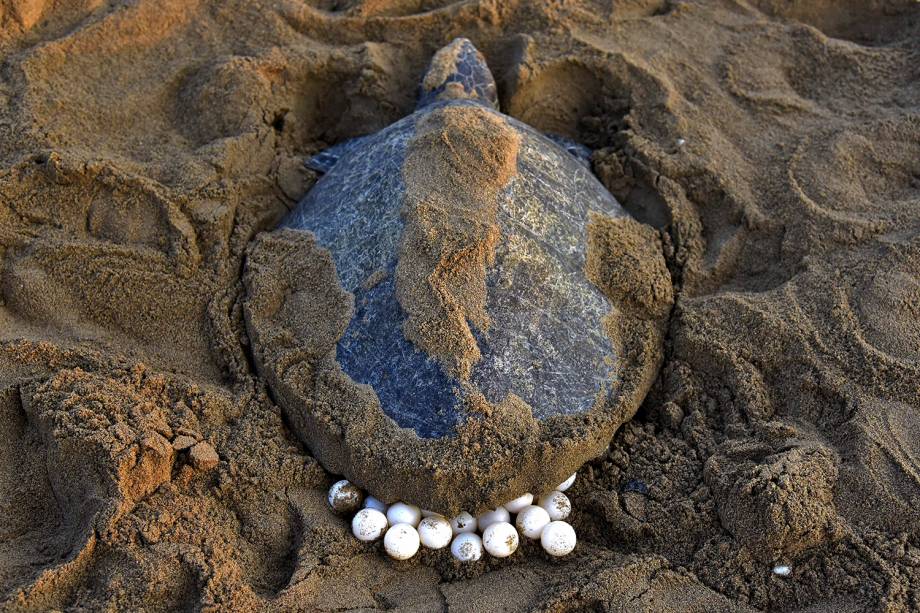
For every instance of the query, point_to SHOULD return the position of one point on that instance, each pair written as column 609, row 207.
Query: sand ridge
column 771, row 145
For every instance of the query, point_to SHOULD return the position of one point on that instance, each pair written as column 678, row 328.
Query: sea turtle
column 538, row 324
column 463, row 236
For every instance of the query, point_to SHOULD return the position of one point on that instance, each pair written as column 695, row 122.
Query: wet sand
column 773, row 146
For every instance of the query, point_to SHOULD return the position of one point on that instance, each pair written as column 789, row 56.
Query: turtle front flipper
column 323, row 161
column 576, row 149
column 458, row 72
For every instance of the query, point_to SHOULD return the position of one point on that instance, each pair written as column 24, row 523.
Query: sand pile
column 774, row 147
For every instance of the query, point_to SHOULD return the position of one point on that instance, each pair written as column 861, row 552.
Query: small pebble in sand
column 782, row 570
column 467, row 547
column 368, row 525
column 558, row 538
column 402, row 513
column 375, row 503
column 345, row 497
column 557, row 505
column 401, row 541
column 203, row 456
column 531, row 521
column 514, row 506
column 435, row 532
column 463, row 523
column 500, row 539
column 426, row 513
column 490, row 517
column 680, row 142
column 567, row 483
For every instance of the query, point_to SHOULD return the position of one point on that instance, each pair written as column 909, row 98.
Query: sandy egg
column 567, row 483
column 531, row 521
column 402, row 513
column 557, row 505
column 345, row 497
column 515, row 506
column 558, row 538
column 401, row 541
column 463, row 523
column 375, row 503
column 490, row 517
column 435, row 532
column 368, row 525
column 500, row 539
column 467, row 547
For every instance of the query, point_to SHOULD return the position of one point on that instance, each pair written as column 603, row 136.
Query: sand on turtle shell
column 773, row 146
column 456, row 166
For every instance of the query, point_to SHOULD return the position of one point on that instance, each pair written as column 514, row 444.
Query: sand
column 773, row 147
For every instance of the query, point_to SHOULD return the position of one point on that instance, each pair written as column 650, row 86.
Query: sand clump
column 771, row 146
column 456, row 166
column 776, row 505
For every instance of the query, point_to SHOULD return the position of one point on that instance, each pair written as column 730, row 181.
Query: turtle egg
column 558, row 538
column 490, row 517
column 402, row 513
column 500, row 539
column 463, row 523
column 368, row 525
column 515, row 506
column 401, row 541
column 374, row 503
column 557, row 505
column 467, row 547
column 567, row 483
column 345, row 497
column 435, row 532
column 531, row 521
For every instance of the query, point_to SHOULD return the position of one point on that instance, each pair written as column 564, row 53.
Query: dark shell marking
column 546, row 342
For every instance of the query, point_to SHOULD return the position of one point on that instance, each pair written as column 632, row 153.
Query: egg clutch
column 405, row 528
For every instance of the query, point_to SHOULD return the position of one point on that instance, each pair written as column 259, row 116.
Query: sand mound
column 772, row 145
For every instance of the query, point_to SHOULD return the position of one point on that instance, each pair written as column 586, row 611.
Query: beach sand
column 773, row 145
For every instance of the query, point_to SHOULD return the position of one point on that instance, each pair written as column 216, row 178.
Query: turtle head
column 458, row 72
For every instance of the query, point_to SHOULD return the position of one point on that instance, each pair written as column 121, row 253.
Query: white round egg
column 375, row 503
column 558, row 538
column 427, row 513
column 531, row 521
column 402, row 513
column 557, row 505
column 401, row 541
column 368, row 525
column 490, row 517
column 567, row 483
column 515, row 506
column 463, row 523
column 345, row 497
column 500, row 539
column 467, row 547
column 435, row 532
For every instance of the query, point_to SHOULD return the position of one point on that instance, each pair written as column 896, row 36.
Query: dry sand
column 775, row 145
